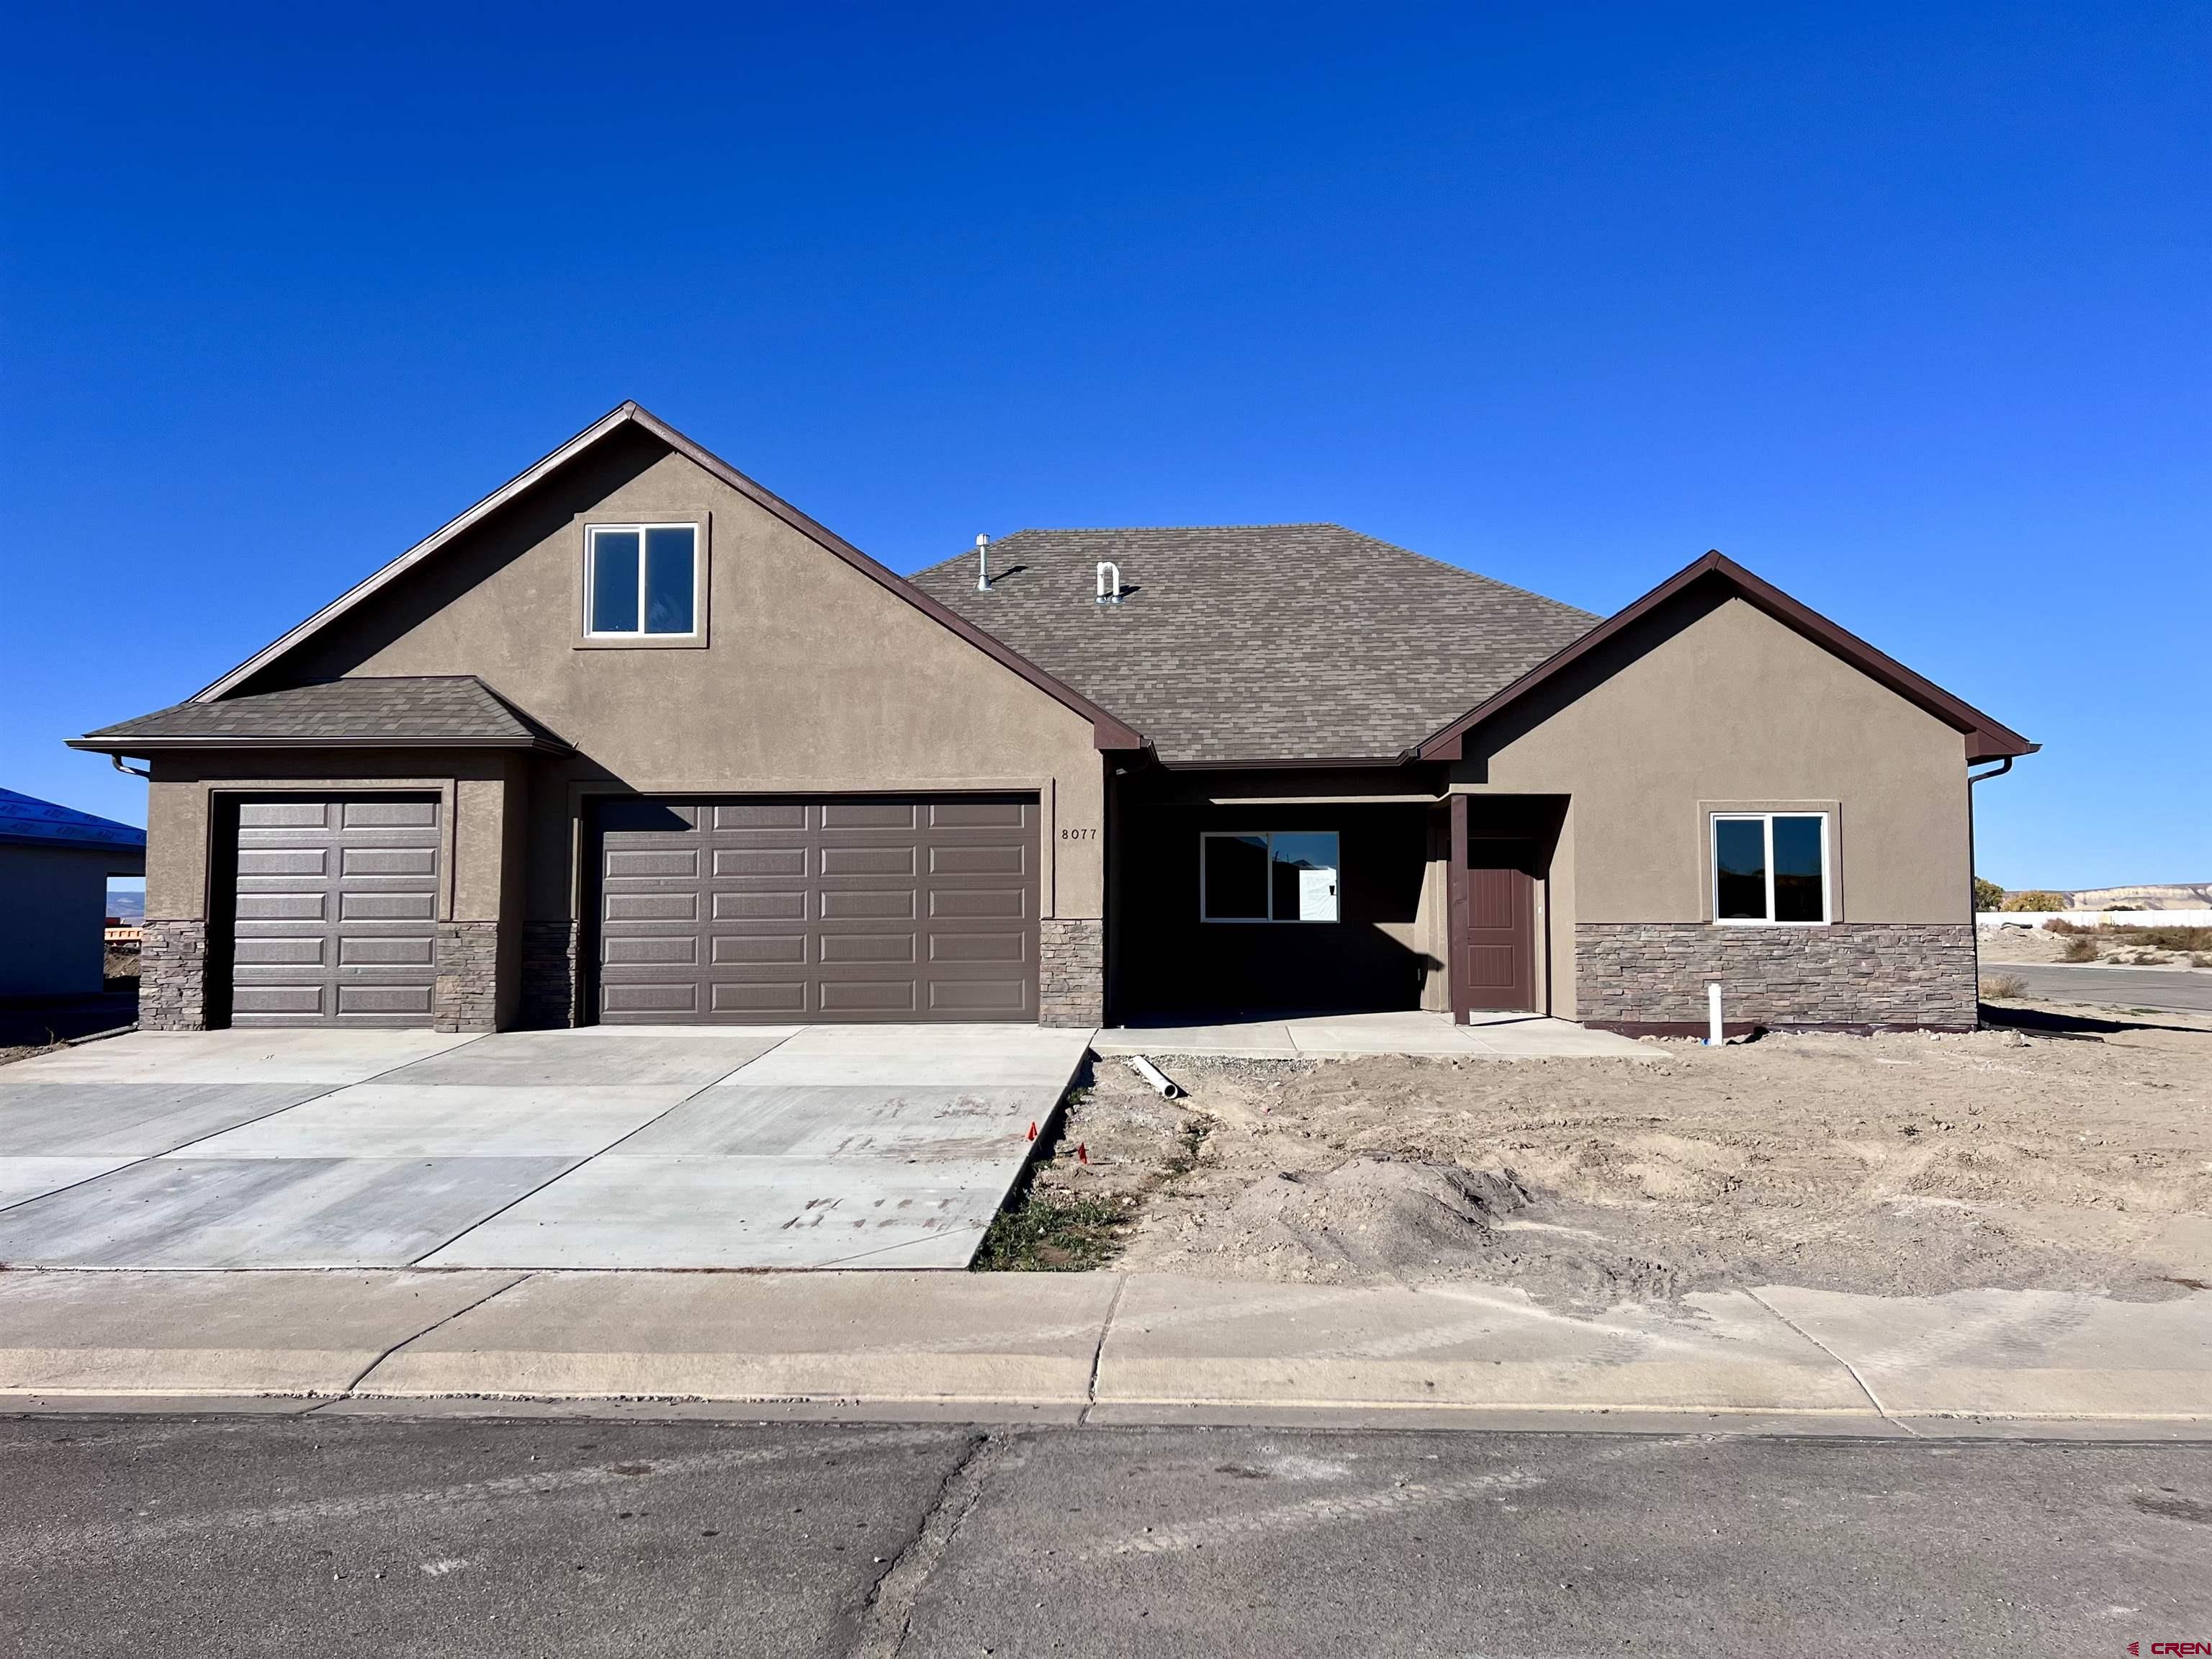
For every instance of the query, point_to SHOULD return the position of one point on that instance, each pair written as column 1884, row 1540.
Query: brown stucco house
column 633, row 740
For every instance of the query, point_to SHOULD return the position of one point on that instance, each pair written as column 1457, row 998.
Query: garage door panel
column 885, row 904
column 979, row 860
column 978, row 903
column 659, row 998
column 388, row 814
column 406, row 952
column 283, row 814
column 760, row 907
column 756, row 999
column 979, row 815
column 652, row 907
column 979, row 999
column 869, row 815
column 850, row 909
column 868, row 861
column 355, row 906
column 730, row 861
column 335, row 912
column 979, row 947
column 759, row 815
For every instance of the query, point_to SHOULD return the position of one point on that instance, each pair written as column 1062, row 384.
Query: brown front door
column 1498, row 950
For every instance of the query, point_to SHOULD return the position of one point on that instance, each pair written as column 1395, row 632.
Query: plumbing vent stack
column 1110, row 592
column 1713, row 1038
column 983, row 564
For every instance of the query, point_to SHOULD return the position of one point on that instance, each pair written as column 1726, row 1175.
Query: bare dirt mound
column 1412, row 1218
column 1890, row 1165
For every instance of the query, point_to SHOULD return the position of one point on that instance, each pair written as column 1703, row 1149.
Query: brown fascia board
column 127, row 746
column 1108, row 733
column 1986, row 740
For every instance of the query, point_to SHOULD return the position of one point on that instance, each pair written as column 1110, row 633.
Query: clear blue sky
column 1904, row 306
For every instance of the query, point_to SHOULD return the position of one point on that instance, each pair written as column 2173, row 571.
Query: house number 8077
column 1078, row 835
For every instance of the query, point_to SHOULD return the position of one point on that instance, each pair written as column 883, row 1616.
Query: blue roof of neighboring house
column 27, row 819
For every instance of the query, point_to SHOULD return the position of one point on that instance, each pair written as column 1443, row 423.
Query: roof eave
column 98, row 744
column 1986, row 738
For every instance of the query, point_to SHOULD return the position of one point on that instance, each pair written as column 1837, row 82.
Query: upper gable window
column 641, row 581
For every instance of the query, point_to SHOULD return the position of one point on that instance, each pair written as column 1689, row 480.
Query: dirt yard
column 1898, row 1164
column 2137, row 947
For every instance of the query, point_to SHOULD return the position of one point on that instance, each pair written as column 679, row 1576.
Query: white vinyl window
column 1770, row 869
column 641, row 580
column 1287, row 875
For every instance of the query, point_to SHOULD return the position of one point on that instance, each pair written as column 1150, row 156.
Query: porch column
column 1455, row 911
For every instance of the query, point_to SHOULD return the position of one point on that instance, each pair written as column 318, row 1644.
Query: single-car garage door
column 859, row 908
column 337, row 918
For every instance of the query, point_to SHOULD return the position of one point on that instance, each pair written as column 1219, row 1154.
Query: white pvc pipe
column 1152, row 1074
column 1713, row 1037
column 1109, row 593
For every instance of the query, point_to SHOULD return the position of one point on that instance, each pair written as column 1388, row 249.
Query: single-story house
column 55, row 862
column 632, row 740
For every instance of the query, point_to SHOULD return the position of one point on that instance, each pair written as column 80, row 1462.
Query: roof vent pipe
column 983, row 564
column 1110, row 592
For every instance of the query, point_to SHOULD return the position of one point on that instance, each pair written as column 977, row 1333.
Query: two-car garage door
column 859, row 908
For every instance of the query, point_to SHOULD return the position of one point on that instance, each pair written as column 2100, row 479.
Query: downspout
column 1973, row 926
column 116, row 761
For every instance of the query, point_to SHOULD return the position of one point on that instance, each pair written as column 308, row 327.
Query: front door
column 1499, row 949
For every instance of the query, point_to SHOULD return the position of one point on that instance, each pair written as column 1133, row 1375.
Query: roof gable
column 1108, row 732
column 1986, row 740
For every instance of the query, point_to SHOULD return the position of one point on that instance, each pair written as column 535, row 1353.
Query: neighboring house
column 634, row 740
column 54, row 865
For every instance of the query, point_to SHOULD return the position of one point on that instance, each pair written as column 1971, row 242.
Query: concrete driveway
column 737, row 1147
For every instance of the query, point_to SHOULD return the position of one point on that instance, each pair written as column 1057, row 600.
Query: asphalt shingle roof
column 427, row 710
column 25, row 820
column 1302, row 641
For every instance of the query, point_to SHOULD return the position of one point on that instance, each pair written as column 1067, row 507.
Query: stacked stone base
column 1070, row 971
column 1650, row 978
column 466, row 997
column 172, row 977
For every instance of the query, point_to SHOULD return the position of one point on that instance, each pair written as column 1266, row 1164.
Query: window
column 1289, row 876
column 1771, row 868
column 641, row 580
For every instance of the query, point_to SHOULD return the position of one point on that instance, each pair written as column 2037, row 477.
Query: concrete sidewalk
column 1101, row 1348
column 1350, row 1037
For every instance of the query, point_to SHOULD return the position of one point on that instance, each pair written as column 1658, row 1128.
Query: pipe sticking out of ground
column 1168, row 1088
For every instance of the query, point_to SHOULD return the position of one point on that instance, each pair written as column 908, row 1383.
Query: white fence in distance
column 2095, row 918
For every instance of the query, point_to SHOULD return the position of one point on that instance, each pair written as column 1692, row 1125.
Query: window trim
column 586, row 552
column 1765, row 815
column 1270, row 920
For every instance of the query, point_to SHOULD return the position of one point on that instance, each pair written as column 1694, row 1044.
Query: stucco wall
column 52, row 903
column 815, row 678
column 1721, row 707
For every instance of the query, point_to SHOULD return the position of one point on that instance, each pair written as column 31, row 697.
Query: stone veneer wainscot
column 1921, row 975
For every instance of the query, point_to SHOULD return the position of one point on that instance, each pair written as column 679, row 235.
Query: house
column 54, row 865
column 633, row 740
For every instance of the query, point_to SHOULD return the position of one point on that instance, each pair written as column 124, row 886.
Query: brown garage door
column 337, row 916
column 877, row 908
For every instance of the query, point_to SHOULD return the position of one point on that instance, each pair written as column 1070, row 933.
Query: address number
column 1078, row 835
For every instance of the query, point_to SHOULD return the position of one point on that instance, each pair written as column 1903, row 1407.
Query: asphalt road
column 2111, row 987
column 341, row 1537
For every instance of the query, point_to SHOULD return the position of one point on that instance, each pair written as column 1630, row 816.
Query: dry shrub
column 2082, row 947
column 2003, row 987
column 2161, row 939
column 2060, row 925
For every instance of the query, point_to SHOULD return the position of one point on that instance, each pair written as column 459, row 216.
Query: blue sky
column 1904, row 306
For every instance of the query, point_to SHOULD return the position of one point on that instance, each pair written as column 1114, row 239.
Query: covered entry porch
column 1236, row 897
